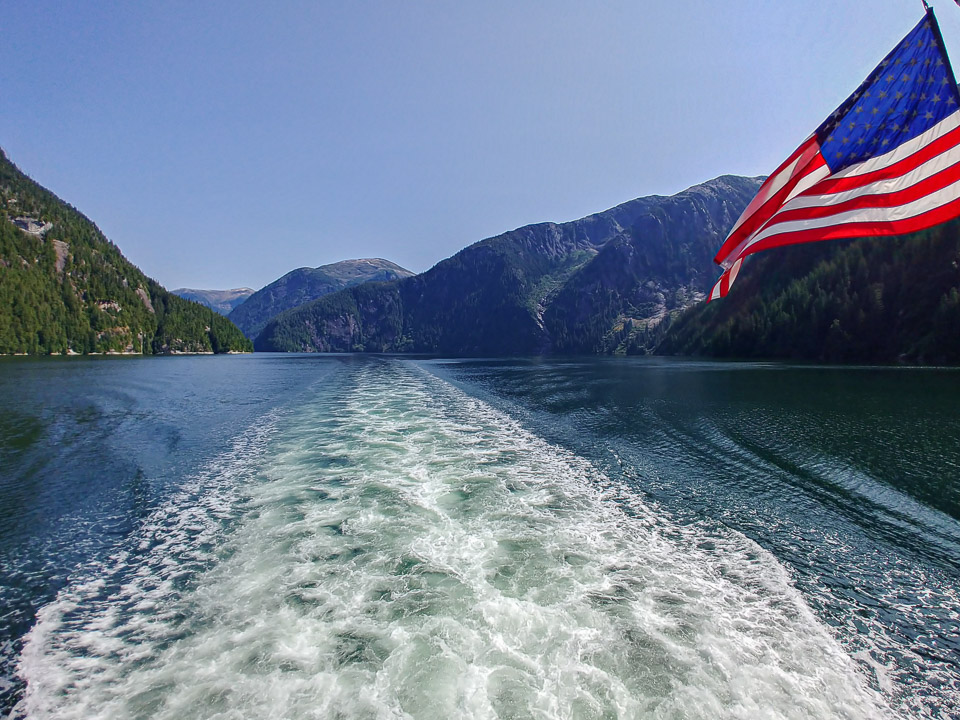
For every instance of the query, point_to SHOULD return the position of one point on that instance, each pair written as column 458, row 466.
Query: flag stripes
column 908, row 195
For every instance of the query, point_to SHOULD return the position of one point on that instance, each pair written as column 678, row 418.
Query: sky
column 223, row 144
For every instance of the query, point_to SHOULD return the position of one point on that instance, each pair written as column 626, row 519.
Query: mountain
column 591, row 285
column 880, row 300
column 65, row 288
column 306, row 284
column 223, row 301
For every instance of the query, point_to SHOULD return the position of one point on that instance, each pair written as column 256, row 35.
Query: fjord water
column 354, row 537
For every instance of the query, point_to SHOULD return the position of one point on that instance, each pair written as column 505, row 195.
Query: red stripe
column 775, row 201
column 723, row 283
column 925, row 187
column 882, row 228
column 902, row 167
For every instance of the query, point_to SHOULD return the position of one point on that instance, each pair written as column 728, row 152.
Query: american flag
column 886, row 162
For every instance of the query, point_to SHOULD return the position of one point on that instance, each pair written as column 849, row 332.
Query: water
column 350, row 537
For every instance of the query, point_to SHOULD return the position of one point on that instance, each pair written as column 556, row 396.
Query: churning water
column 384, row 538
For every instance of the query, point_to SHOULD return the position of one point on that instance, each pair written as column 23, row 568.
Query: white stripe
column 734, row 271
column 875, row 214
column 781, row 179
column 805, row 183
column 821, row 173
column 878, row 162
column 715, row 293
column 882, row 187
column 770, row 187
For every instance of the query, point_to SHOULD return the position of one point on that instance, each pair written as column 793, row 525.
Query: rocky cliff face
column 583, row 286
column 660, row 263
column 304, row 285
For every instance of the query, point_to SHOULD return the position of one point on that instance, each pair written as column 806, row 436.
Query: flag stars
column 880, row 116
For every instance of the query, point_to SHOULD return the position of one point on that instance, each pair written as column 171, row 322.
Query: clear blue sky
column 222, row 144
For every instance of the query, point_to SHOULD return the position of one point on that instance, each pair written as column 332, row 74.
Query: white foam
column 402, row 550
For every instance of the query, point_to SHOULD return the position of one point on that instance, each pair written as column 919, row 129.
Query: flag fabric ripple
column 886, row 162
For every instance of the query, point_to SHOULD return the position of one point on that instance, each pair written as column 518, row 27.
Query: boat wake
column 396, row 548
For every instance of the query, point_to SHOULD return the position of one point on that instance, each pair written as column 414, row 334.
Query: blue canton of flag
column 912, row 90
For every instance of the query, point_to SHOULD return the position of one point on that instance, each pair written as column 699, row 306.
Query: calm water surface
column 376, row 537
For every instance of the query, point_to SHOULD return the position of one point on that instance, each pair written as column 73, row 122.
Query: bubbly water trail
column 400, row 549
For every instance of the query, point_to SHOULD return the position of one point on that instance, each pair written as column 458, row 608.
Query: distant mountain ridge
column 590, row 285
column 65, row 288
column 222, row 301
column 306, row 284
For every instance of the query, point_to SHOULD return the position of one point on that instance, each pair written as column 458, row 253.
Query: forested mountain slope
column 306, row 284
column 65, row 288
column 879, row 300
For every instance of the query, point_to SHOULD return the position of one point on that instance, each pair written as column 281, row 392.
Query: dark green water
column 388, row 537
